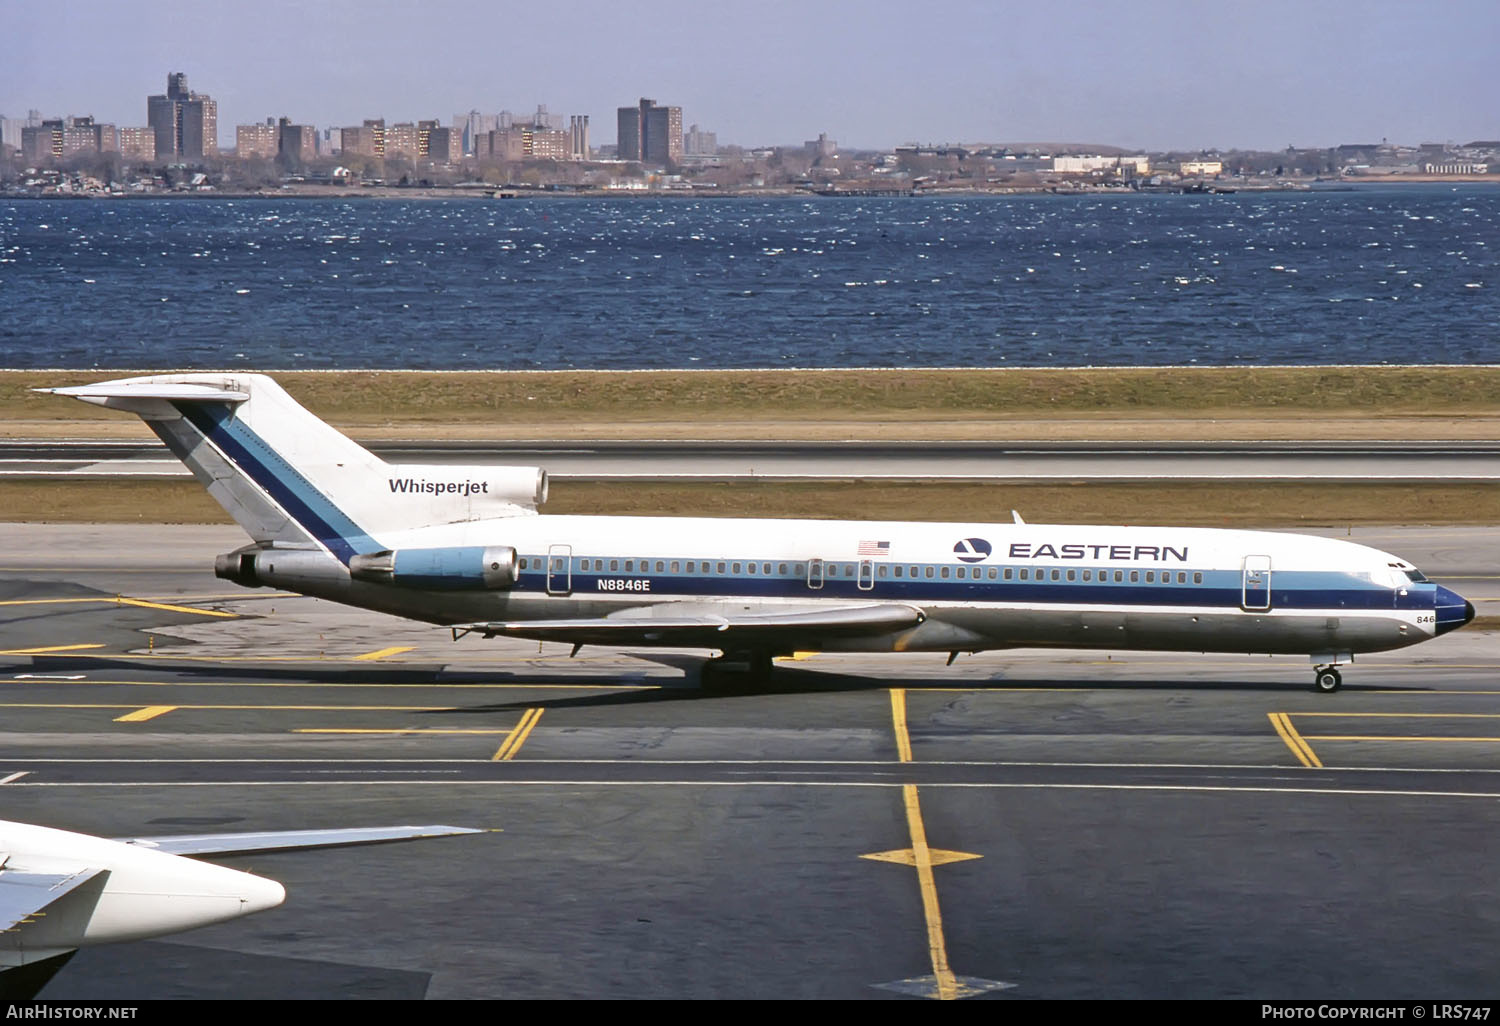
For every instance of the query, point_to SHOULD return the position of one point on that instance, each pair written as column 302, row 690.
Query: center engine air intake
column 470, row 566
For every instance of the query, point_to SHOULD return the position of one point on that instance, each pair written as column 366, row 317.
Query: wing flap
column 289, row 840
column 660, row 624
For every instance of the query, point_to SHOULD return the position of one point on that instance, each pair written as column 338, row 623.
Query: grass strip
column 358, row 398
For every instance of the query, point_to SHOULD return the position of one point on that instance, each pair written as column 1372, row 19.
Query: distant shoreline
column 501, row 193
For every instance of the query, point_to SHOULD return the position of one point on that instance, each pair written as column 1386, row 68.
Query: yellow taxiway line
column 150, row 712
column 518, row 736
column 944, row 984
column 45, row 650
column 395, row 730
column 120, row 600
column 381, row 653
column 1295, row 741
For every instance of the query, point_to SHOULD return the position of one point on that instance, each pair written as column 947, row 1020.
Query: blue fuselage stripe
column 1290, row 590
column 290, row 489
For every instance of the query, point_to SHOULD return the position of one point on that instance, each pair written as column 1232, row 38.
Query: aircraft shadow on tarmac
column 790, row 682
column 784, row 680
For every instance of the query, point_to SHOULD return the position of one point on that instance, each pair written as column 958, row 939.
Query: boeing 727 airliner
column 465, row 547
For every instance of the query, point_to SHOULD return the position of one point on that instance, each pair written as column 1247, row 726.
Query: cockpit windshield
column 1416, row 577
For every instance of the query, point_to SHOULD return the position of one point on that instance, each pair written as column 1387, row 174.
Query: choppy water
column 1396, row 275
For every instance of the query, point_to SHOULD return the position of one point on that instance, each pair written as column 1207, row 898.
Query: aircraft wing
column 670, row 622
column 288, row 840
column 22, row 895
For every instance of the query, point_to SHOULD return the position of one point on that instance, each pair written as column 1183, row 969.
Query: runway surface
column 1018, row 825
column 965, row 460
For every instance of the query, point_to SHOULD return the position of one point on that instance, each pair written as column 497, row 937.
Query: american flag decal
column 874, row 548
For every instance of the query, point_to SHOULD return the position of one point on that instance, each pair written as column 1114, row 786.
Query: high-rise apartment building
column 56, row 138
column 296, row 144
column 526, row 142
column 186, row 124
column 258, row 140
column 138, row 143
column 401, row 141
column 84, row 135
column 367, row 140
column 698, row 143
column 443, row 145
column 42, row 143
column 650, row 134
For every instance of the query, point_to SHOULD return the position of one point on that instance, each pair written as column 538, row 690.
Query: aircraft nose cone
column 259, row 894
column 1451, row 609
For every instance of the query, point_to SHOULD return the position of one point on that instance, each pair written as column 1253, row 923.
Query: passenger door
column 1255, row 586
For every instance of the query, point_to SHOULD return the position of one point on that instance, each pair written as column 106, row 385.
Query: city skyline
column 1155, row 75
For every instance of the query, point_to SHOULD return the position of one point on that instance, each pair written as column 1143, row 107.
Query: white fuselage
column 979, row 585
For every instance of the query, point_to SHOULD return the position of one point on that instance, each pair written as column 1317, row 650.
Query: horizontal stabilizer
column 22, row 895
column 658, row 624
column 147, row 389
column 289, row 840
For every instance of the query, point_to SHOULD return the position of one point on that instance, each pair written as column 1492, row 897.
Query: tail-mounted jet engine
column 465, row 567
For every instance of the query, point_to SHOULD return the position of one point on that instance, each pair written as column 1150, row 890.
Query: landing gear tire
column 1327, row 680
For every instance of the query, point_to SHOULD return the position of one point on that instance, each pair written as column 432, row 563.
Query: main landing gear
column 1326, row 679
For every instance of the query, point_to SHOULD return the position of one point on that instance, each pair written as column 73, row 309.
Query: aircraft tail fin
column 289, row 479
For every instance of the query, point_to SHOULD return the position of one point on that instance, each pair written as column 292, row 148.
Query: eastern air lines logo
column 972, row 550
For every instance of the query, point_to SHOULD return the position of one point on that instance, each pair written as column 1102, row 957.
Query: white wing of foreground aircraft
column 60, row 891
column 464, row 546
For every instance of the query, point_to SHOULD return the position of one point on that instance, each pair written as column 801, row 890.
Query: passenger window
column 1007, row 573
column 692, row 566
column 1135, row 575
column 675, row 566
column 994, row 573
column 898, row 571
column 736, row 568
column 749, row 566
column 1088, row 575
column 914, row 573
column 929, row 572
column 1057, row 575
column 1197, row 577
column 1119, row 576
column 943, row 572
column 523, row 562
column 629, row 565
column 614, row 564
column 831, row 570
column 1150, row 576
column 1181, row 577
column 781, row 569
column 1023, row 573
column 799, row 570
column 721, row 568
column 880, row 572
column 1070, row 575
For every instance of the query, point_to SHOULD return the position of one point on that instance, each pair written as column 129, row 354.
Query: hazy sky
column 1155, row 74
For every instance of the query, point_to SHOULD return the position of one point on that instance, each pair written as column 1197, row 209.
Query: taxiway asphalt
column 1018, row 825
